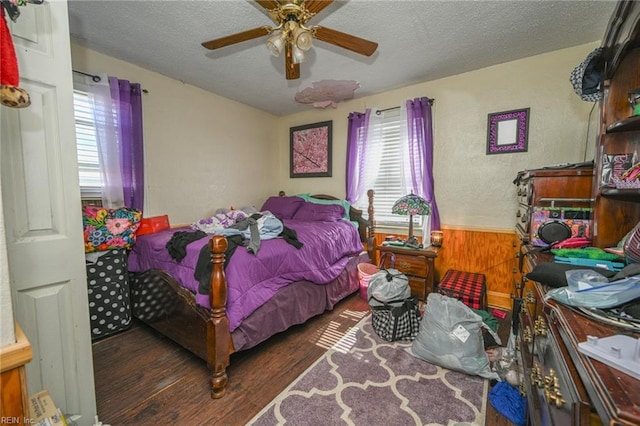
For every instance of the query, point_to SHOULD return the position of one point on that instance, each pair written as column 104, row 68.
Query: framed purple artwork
column 310, row 150
column 508, row 131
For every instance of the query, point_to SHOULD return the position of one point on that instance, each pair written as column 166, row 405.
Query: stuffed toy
column 10, row 94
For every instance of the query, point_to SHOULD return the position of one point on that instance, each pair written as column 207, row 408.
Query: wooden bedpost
column 371, row 236
column 218, row 335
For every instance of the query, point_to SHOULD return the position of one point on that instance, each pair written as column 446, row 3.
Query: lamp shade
column 411, row 205
column 298, row 54
column 276, row 43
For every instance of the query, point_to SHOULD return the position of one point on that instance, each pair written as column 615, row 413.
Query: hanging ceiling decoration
column 293, row 36
column 327, row 92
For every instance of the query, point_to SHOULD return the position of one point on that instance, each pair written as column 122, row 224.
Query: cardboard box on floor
column 43, row 410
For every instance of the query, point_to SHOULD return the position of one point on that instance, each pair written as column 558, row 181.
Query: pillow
column 282, row 207
column 343, row 203
column 312, row 212
column 106, row 229
column 553, row 274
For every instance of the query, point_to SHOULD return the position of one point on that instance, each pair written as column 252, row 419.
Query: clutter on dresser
column 588, row 256
column 619, row 351
column 590, row 289
column 620, row 170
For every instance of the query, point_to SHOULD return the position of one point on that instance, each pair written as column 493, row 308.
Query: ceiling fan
column 292, row 34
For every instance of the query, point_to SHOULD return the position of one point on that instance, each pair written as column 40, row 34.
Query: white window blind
column 388, row 182
column 88, row 159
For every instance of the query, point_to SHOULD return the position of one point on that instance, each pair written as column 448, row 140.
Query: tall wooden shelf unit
column 562, row 385
column 617, row 211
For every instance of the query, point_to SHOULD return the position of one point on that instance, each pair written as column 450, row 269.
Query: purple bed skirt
column 295, row 304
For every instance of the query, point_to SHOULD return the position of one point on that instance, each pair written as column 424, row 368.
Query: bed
column 233, row 306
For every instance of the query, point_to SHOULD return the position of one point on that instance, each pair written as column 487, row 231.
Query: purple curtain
column 357, row 126
column 420, row 135
column 131, row 138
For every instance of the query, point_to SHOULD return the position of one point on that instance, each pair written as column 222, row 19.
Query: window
column 88, row 159
column 388, row 182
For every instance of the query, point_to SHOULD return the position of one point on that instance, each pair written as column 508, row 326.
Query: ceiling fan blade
column 291, row 70
column 268, row 4
column 315, row 6
column 237, row 38
column 347, row 41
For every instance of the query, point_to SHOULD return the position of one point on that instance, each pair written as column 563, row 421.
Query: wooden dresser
column 562, row 385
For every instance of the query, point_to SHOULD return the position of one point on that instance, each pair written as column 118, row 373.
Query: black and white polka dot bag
column 108, row 289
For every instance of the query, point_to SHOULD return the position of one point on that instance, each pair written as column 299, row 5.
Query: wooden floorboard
column 144, row 379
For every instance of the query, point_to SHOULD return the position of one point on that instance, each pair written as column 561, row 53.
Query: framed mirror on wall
column 508, row 131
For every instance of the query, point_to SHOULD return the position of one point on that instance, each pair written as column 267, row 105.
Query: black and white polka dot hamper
column 108, row 287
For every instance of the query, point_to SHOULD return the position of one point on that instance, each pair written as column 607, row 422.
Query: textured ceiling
column 418, row 41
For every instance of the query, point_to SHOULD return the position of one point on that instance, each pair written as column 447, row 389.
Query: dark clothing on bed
column 177, row 245
column 204, row 267
column 291, row 237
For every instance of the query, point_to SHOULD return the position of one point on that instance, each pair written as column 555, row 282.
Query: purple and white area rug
column 364, row 380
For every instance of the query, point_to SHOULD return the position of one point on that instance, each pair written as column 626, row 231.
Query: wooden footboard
column 219, row 343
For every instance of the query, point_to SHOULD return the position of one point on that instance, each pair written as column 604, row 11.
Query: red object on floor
column 468, row 287
column 150, row 225
column 499, row 314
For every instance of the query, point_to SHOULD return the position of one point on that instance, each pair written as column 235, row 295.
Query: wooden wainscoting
column 487, row 251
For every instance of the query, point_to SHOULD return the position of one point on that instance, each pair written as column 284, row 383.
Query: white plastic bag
column 388, row 285
column 590, row 289
column 451, row 336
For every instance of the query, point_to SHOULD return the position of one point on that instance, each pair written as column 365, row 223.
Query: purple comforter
column 253, row 279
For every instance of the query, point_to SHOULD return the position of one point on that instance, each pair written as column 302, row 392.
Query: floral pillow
column 106, row 229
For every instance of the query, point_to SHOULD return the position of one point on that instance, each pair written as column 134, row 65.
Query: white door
column 42, row 211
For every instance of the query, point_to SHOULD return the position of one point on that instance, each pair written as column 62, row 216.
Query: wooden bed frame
column 205, row 332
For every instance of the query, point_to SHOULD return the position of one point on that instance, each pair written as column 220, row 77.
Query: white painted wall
column 473, row 189
column 202, row 155
column 202, row 151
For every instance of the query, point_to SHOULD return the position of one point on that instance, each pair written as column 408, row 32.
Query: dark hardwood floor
column 144, row 379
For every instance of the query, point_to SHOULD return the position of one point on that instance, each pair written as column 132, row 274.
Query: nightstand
column 416, row 264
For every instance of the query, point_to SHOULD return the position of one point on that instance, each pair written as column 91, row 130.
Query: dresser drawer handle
column 404, row 265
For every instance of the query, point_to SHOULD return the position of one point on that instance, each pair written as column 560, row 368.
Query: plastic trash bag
column 388, row 285
column 451, row 336
column 589, row 289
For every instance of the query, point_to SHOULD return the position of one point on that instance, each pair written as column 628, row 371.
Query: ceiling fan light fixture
column 276, row 43
column 297, row 54
column 303, row 38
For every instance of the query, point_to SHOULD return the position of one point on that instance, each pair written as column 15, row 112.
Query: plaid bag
column 397, row 319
